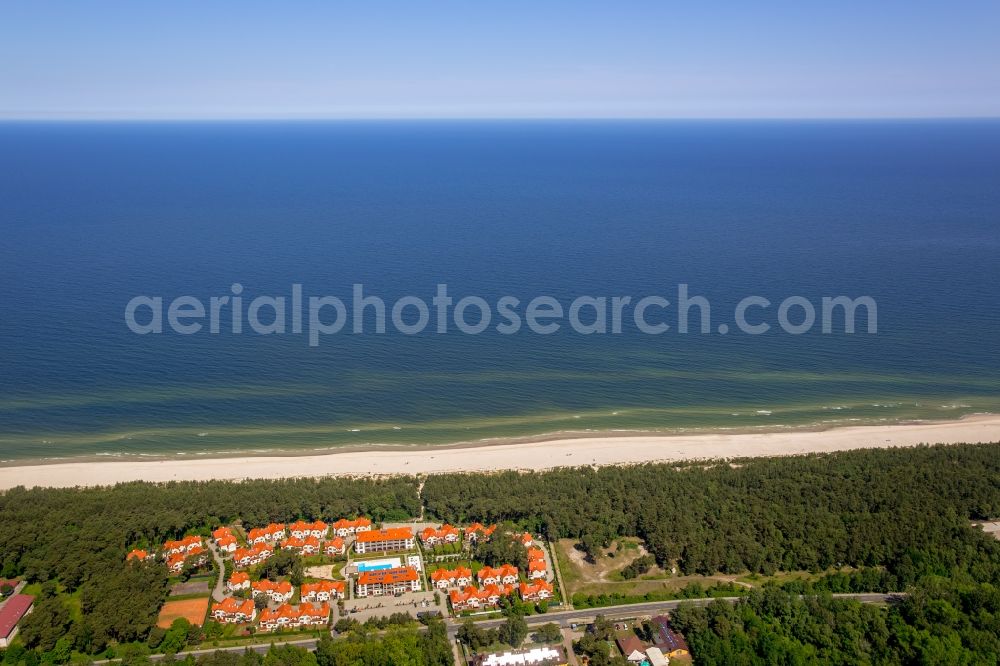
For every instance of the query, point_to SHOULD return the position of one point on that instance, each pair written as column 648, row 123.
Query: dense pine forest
column 78, row 539
column 937, row 623
column 891, row 520
column 903, row 511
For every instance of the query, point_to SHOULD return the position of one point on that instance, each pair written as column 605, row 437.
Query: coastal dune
column 562, row 451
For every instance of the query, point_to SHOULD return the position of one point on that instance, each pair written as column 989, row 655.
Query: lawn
column 447, row 550
column 570, row 573
column 378, row 556
column 72, row 601
column 604, row 576
column 468, row 564
column 322, row 560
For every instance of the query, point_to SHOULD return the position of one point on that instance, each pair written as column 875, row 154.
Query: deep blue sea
column 93, row 214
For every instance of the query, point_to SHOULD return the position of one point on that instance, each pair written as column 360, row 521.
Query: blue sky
column 387, row 59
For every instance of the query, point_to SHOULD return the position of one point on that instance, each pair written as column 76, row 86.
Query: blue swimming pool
column 362, row 567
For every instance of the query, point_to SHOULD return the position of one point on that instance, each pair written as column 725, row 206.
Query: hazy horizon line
column 268, row 118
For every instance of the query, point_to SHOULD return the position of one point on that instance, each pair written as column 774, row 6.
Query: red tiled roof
column 323, row 611
column 391, row 534
column 239, row 577
column 498, row 572
column 295, row 542
column 531, row 589
column 232, row 605
column 13, row 611
column 388, row 576
column 459, row 597
column 221, row 533
column 250, row 552
column 357, row 522
column 183, row 543
column 451, row 574
column 323, row 586
column 479, row 527
column 439, row 532
column 629, row 644
column 270, row 531
column 496, row 590
column 303, row 526
column 267, row 586
column 284, row 610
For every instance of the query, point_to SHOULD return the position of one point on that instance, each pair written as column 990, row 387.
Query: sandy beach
column 607, row 449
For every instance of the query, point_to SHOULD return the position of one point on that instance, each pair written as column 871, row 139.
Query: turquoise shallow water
column 94, row 214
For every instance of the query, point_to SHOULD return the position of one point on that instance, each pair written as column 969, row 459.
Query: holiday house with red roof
column 345, row 527
column 385, row 582
column 458, row 577
column 505, row 574
column 432, row 536
column 539, row 590
column 238, row 581
column 325, row 590
column 234, row 611
column 380, row 541
column 335, row 546
column 279, row 592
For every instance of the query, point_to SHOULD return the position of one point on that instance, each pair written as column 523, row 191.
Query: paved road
column 567, row 635
column 566, row 618
column 563, row 618
column 220, row 591
column 550, row 556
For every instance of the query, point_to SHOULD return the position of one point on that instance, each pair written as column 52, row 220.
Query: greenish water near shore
column 283, row 438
